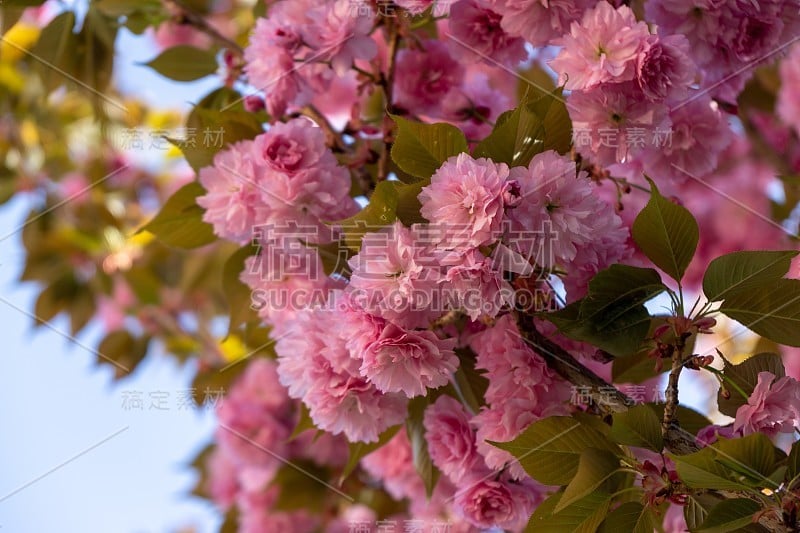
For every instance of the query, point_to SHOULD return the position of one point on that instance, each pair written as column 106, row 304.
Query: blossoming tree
column 448, row 259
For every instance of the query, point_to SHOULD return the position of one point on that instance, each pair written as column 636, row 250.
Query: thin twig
column 186, row 15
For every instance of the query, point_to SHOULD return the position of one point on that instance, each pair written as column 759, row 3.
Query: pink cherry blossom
column 338, row 31
column 773, row 407
column 698, row 136
column 615, row 122
column 663, row 68
column 490, row 502
column 560, row 213
column 603, row 47
column 317, row 368
column 466, row 197
column 425, row 76
column 233, row 201
column 393, row 277
column 539, row 21
column 408, row 361
column 393, row 465
column 478, row 285
column 476, row 34
column 451, row 440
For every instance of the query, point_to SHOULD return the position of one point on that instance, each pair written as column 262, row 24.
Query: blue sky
column 72, row 458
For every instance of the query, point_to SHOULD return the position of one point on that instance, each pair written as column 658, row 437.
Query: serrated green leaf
column 549, row 450
column 630, row 517
column 391, row 200
column 612, row 316
column 419, row 445
column 667, row 233
column 180, row 221
column 541, row 122
column 793, row 463
column 730, row 464
column 420, row 148
column 729, row 515
column 638, row 426
column 595, row 468
column 583, row 516
column 237, row 293
column 744, row 377
column 697, row 506
column 773, row 311
column 744, row 271
column 184, row 63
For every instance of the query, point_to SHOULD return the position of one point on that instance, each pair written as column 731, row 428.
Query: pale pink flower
column 393, row 277
column 409, row 361
column 466, row 196
column 424, row 77
column 393, row 465
column 773, row 407
column 613, row 123
column 699, row 134
column 560, row 213
column 663, row 68
column 788, row 105
column 478, row 284
column 338, row 32
column 477, row 35
column 451, row 440
column 603, row 47
column 255, row 416
column 222, row 483
column 488, row 502
column 272, row 69
column 316, row 366
column 233, row 202
column 521, row 389
column 539, row 21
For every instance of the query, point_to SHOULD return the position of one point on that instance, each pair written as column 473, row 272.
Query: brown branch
column 332, row 137
column 387, row 82
column 606, row 397
column 608, row 400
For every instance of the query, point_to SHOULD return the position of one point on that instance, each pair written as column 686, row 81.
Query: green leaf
column 773, row 311
column 729, row 515
column 56, row 48
column 471, row 383
column 391, row 200
column 744, row 376
column 667, row 233
column 123, row 348
column 217, row 121
column 697, row 506
column 583, row 516
column 238, row 295
column 638, row 426
column 180, row 221
column 595, row 468
column 612, row 316
column 793, row 463
column 360, row 449
column 420, row 149
column 730, row 464
column 630, row 517
column 419, row 446
column 302, row 486
column 744, row 271
column 550, row 449
column 184, row 63
column 540, row 123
